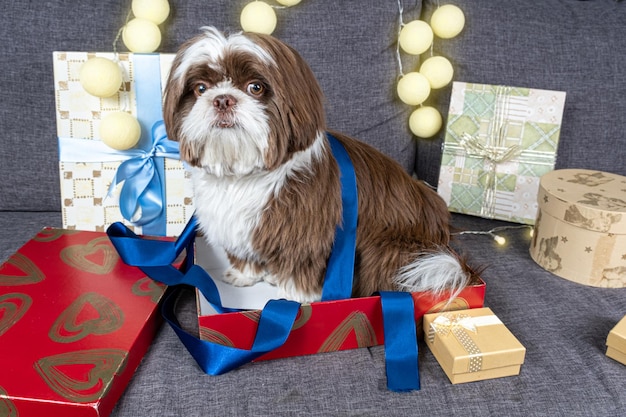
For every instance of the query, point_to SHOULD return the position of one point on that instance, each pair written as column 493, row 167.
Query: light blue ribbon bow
column 143, row 181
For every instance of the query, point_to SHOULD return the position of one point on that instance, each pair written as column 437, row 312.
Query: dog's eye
column 200, row 89
column 255, row 89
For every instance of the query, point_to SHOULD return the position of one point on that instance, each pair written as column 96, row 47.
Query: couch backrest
column 574, row 46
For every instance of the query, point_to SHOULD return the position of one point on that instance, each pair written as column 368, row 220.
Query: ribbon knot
column 444, row 324
column 142, row 195
column 495, row 154
column 458, row 324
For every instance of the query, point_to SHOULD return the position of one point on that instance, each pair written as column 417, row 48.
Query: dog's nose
column 224, row 102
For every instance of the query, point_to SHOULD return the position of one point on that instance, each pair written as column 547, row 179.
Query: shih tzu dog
column 248, row 114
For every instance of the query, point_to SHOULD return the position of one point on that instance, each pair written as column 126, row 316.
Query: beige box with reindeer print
column 580, row 230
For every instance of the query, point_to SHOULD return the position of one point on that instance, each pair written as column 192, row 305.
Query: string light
column 499, row 239
column 259, row 17
column 142, row 34
column 415, row 38
column 103, row 77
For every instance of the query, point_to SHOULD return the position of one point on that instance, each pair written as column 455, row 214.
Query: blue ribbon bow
column 156, row 257
column 143, row 184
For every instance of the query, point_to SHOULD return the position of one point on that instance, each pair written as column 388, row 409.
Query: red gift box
column 320, row 327
column 75, row 322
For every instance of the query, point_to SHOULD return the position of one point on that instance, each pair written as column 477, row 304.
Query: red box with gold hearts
column 75, row 322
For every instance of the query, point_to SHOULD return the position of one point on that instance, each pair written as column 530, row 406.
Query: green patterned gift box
column 499, row 141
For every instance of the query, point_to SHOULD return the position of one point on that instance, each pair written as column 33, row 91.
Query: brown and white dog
column 248, row 113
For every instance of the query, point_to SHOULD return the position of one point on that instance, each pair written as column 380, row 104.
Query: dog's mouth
column 224, row 121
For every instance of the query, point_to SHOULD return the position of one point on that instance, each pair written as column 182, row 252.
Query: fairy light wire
column 400, row 26
column 501, row 240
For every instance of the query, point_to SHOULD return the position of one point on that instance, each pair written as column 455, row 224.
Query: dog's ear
column 297, row 107
column 174, row 90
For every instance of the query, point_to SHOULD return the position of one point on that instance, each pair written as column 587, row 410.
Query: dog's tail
column 435, row 271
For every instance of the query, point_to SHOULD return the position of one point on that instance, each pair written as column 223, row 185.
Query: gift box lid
column 588, row 199
column 617, row 336
column 472, row 341
column 75, row 322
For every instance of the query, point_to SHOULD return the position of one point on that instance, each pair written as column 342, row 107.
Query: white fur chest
column 229, row 209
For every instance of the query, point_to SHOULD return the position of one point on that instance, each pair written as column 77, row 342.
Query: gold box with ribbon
column 146, row 187
column 499, row 141
column 616, row 342
column 473, row 345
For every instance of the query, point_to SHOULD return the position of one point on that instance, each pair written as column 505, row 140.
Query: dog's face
column 240, row 104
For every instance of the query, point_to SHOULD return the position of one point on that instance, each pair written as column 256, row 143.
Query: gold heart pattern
column 254, row 315
column 81, row 376
column 50, row 234
column 96, row 257
column 356, row 322
column 13, row 306
column 458, row 303
column 27, row 272
column 214, row 336
column 305, row 313
column 150, row 288
column 7, row 408
column 79, row 321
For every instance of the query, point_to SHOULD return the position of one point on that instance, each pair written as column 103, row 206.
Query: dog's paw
column 243, row 278
column 289, row 292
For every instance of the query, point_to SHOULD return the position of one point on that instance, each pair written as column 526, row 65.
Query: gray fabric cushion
column 16, row 228
column 349, row 45
column 572, row 46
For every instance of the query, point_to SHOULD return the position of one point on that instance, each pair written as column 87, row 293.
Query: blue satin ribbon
column 151, row 199
column 155, row 258
column 400, row 341
column 340, row 268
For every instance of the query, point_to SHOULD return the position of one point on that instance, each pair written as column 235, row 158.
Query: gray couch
column 573, row 46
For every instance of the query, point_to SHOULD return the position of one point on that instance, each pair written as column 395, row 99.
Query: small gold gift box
column 616, row 342
column 472, row 345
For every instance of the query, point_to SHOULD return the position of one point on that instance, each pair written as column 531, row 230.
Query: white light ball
column 438, row 70
column 288, row 2
column 447, row 21
column 155, row 11
column 100, row 77
column 425, row 122
column 258, row 17
column 141, row 36
column 415, row 37
column 120, row 130
column 413, row 88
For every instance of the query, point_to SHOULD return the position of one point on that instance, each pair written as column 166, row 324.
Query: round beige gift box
column 580, row 232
